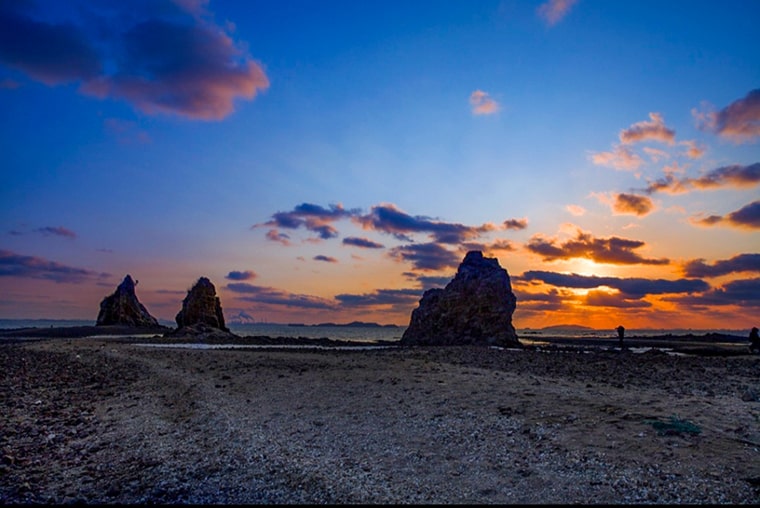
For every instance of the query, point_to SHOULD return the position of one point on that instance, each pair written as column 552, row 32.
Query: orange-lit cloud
column 655, row 153
column 632, row 287
column 693, row 149
column 275, row 236
column 653, row 129
column 600, row 298
column 553, row 11
column 575, row 210
column 739, row 121
column 726, row 176
column 516, row 223
column 625, row 203
column 621, row 157
column 613, row 250
column 737, row 264
column 632, row 204
column 747, row 217
column 482, row 103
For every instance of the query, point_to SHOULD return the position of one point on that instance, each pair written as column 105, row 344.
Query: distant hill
column 566, row 327
column 352, row 324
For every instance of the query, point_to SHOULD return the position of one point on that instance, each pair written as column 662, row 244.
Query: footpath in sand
column 103, row 420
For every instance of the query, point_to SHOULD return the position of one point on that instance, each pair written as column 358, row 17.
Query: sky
column 329, row 161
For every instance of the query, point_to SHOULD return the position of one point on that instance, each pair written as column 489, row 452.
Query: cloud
column 312, row 217
column 575, row 210
column 275, row 236
column 605, row 299
column 57, row 231
column 272, row 296
column 126, row 132
column 161, row 57
column 326, row 259
column 693, row 149
column 428, row 281
column 362, row 242
column 236, row 275
column 739, row 121
column 32, row 267
column 516, row 224
column 742, row 292
column 613, row 250
column 394, row 297
column 727, row 176
column 632, row 204
column 747, row 217
column 482, row 103
column 621, row 157
column 630, row 287
column 387, row 218
column 553, row 11
column 652, row 130
column 736, row 264
column 426, row 256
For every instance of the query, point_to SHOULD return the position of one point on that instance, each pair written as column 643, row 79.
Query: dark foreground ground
column 107, row 420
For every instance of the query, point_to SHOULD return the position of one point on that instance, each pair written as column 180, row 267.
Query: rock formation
column 476, row 308
column 201, row 306
column 123, row 308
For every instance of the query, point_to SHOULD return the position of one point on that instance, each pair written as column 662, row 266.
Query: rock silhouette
column 475, row 308
column 201, row 306
column 123, row 308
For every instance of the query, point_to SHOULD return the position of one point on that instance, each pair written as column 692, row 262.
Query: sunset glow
column 330, row 161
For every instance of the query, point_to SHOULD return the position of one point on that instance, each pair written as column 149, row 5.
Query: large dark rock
column 201, row 306
column 475, row 308
column 123, row 308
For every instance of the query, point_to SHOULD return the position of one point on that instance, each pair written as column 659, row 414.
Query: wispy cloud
column 326, row 259
column 613, row 250
column 380, row 297
column 162, row 57
column 747, row 217
column 739, row 121
column 482, row 103
column 575, row 210
column 272, row 296
column 737, row 264
column 312, row 217
column 57, row 231
column 553, row 11
column 653, row 129
column 364, row 243
column 17, row 265
column 621, row 157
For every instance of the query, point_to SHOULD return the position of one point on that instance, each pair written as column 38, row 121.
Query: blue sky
column 329, row 161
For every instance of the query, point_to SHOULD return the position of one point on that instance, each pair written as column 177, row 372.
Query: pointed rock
column 475, row 308
column 123, row 308
column 201, row 306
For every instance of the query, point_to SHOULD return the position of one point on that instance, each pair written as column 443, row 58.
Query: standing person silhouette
column 754, row 340
column 621, row 332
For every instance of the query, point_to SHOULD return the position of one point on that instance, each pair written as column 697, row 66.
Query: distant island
column 352, row 324
column 567, row 327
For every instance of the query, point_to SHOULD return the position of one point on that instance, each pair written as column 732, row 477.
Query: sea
column 373, row 334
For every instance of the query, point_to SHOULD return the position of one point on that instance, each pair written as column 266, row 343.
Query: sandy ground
column 106, row 420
